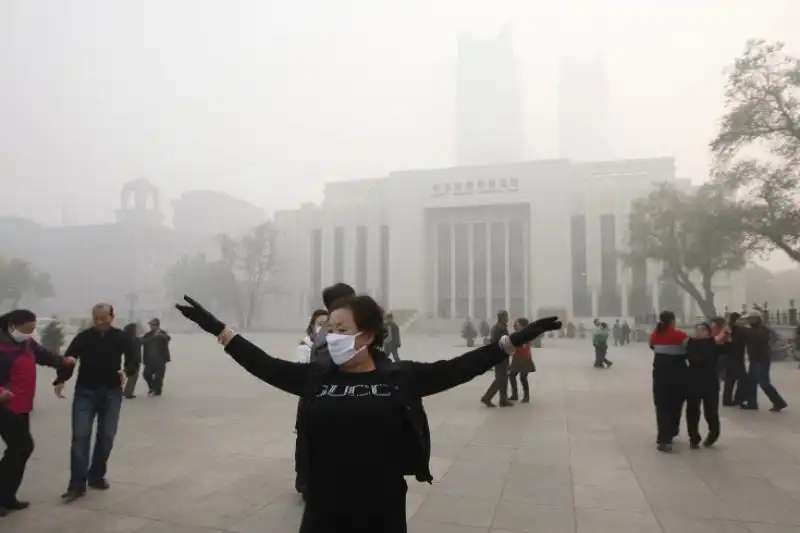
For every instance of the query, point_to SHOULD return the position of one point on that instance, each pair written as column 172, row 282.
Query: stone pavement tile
column 527, row 473
column 604, row 476
column 414, row 501
column 604, row 521
column 676, row 523
column 525, row 516
column 475, row 483
column 539, row 492
column 421, row 526
column 168, row 527
column 772, row 528
column 598, row 497
column 460, row 510
column 557, row 457
column 281, row 516
column 490, row 455
column 98, row 522
column 758, row 500
column 691, row 502
column 42, row 519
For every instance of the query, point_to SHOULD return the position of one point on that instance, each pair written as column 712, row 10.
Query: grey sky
column 268, row 99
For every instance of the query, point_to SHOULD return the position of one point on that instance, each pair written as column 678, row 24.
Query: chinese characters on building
column 472, row 187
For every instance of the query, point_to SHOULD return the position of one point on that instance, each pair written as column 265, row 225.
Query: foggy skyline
column 267, row 101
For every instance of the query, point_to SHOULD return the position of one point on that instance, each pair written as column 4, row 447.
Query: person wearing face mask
column 319, row 320
column 363, row 423
column 19, row 355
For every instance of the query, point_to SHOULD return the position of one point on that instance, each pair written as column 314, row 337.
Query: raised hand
column 5, row 394
column 534, row 329
column 200, row 316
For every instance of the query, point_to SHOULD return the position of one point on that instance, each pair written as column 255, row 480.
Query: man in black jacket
column 735, row 371
column 500, row 383
column 759, row 352
column 156, row 356
column 98, row 395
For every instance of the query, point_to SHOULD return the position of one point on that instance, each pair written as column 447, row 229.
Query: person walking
column 100, row 351
column 133, row 330
column 735, row 386
column 669, row 378
column 363, row 419
column 703, row 353
column 19, row 355
column 500, row 383
column 759, row 353
column 156, row 356
column 521, row 365
column 600, row 343
column 392, row 342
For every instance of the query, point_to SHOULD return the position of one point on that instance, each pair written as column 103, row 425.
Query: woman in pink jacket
column 19, row 355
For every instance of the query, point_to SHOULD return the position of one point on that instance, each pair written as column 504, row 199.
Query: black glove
column 198, row 314
column 534, row 329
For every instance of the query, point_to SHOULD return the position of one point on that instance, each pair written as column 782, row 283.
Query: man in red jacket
column 19, row 355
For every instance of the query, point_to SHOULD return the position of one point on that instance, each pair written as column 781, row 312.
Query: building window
column 338, row 254
column 443, row 276
column 361, row 259
column 581, row 298
column 315, row 298
column 462, row 270
column 480, row 257
column 608, row 302
column 497, row 256
column 383, row 290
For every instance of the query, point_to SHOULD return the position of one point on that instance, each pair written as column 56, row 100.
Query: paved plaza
column 215, row 454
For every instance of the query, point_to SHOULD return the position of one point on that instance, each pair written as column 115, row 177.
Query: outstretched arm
column 45, row 357
column 433, row 378
column 73, row 350
column 284, row 375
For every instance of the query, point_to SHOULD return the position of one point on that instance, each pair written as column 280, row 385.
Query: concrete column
column 489, row 312
column 435, row 253
column 595, row 308
column 452, row 270
column 656, row 297
column 624, row 297
column 506, row 245
column 471, row 255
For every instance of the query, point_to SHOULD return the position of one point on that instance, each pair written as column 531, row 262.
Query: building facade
column 467, row 241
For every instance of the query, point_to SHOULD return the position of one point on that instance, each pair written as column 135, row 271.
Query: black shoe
column 514, row 398
column 526, row 399
column 506, row 404
column 487, row 402
column 16, row 505
column 99, row 484
column 778, row 409
column 711, row 438
column 130, row 396
column 609, row 363
column 599, row 366
column 664, row 448
column 73, row 494
column 745, row 407
column 729, row 404
column 694, row 445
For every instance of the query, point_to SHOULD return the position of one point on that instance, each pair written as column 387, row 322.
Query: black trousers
column 500, row 383
column 391, row 519
column 702, row 390
column 16, row 433
column 600, row 353
column 523, row 379
column 735, row 388
column 669, row 393
column 153, row 375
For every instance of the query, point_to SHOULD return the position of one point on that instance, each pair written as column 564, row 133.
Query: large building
column 463, row 242
column 489, row 123
column 583, row 110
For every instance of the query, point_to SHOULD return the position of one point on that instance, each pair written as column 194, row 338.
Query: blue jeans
column 758, row 375
column 103, row 404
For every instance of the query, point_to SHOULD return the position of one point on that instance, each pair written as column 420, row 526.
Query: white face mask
column 342, row 347
column 19, row 336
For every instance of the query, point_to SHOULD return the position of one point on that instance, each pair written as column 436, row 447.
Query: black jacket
column 412, row 381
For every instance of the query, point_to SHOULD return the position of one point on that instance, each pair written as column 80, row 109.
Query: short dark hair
column 502, row 315
column 17, row 317
column 335, row 292
column 522, row 321
column 734, row 317
column 314, row 316
column 664, row 320
column 367, row 315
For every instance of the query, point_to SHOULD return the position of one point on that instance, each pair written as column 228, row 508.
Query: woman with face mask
column 318, row 319
column 19, row 355
column 363, row 423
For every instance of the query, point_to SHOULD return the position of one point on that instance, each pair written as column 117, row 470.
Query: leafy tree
column 690, row 234
column 763, row 115
column 18, row 278
column 485, row 330
column 211, row 282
